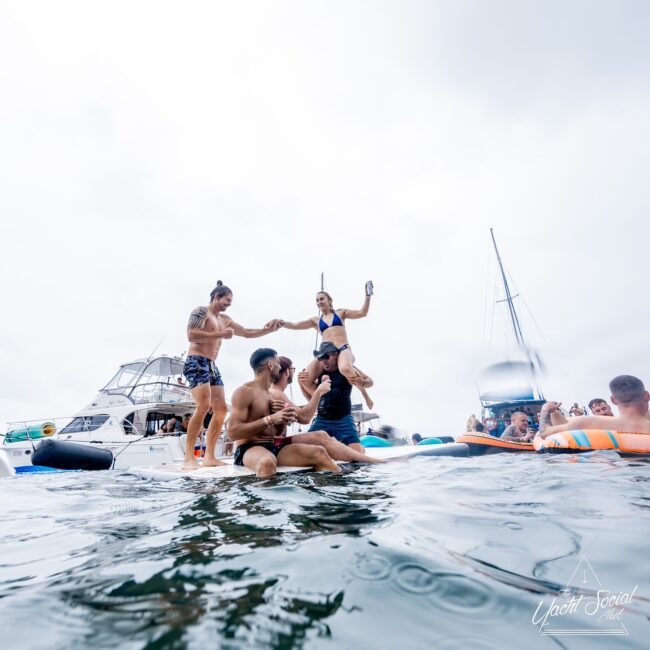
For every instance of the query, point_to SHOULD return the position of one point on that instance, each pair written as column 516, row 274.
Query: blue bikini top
column 322, row 325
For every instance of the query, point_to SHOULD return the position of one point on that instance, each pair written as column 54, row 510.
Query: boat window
column 155, row 420
column 84, row 423
column 126, row 376
column 127, row 423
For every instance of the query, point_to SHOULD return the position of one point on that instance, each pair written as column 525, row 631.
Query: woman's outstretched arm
column 359, row 313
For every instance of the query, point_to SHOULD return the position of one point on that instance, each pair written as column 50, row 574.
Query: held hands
column 274, row 324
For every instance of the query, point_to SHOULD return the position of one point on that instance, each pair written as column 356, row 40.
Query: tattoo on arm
column 544, row 420
column 197, row 317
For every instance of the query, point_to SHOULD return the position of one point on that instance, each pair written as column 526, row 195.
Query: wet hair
column 627, row 389
column 416, row 437
column 594, row 401
column 328, row 297
column 260, row 357
column 285, row 363
column 219, row 291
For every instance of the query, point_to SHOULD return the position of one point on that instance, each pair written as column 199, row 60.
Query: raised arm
column 305, row 413
column 359, row 313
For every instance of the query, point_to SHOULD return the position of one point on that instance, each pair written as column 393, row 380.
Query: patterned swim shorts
column 201, row 370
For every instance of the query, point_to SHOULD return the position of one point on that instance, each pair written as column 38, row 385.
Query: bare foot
column 212, row 462
column 189, row 465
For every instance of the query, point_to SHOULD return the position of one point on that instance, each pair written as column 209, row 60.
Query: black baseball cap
column 325, row 348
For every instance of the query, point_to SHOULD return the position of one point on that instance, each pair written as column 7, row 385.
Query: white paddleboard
column 173, row 471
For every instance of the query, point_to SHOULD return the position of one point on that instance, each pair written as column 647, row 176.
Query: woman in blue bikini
column 331, row 324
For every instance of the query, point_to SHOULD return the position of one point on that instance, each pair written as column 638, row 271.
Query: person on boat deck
column 628, row 393
column 185, row 423
column 335, row 407
column 518, row 430
column 206, row 330
column 170, row 426
column 337, row 450
column 599, row 406
column 331, row 324
column 260, row 434
column 576, row 410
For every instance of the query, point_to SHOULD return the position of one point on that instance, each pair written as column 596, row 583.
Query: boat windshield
column 154, row 380
column 84, row 423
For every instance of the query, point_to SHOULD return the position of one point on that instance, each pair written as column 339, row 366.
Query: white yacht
column 125, row 418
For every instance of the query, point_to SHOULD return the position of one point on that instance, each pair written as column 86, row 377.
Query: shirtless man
column 599, row 406
column 628, row 393
column 260, row 434
column 518, row 429
column 337, row 450
column 206, row 329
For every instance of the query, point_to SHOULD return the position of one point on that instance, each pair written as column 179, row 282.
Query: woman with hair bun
column 331, row 324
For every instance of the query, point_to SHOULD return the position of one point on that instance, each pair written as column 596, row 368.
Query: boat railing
column 32, row 430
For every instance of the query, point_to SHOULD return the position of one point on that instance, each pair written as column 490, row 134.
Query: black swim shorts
column 201, row 370
column 274, row 446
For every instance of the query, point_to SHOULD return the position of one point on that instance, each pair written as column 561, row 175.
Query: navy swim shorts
column 201, row 370
column 343, row 430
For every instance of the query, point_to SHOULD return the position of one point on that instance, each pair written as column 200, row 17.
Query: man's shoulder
column 248, row 389
column 276, row 393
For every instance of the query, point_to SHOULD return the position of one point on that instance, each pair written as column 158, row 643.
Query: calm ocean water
column 429, row 553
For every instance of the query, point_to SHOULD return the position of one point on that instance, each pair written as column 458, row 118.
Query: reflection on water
column 435, row 552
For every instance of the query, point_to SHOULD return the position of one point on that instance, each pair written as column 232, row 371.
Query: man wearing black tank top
column 334, row 413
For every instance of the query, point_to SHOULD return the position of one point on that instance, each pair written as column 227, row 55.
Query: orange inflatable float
column 483, row 443
column 567, row 442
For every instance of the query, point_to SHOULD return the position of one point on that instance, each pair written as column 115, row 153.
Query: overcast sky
column 148, row 149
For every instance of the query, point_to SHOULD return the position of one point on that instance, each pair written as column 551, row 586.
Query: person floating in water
column 206, row 329
column 331, row 324
column 628, row 393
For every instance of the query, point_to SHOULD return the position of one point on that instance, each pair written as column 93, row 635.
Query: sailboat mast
column 516, row 327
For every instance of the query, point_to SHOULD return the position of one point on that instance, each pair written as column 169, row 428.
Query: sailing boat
column 511, row 386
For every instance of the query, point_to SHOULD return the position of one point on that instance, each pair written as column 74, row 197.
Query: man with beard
column 337, row 450
column 335, row 406
column 206, row 330
column 260, row 435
